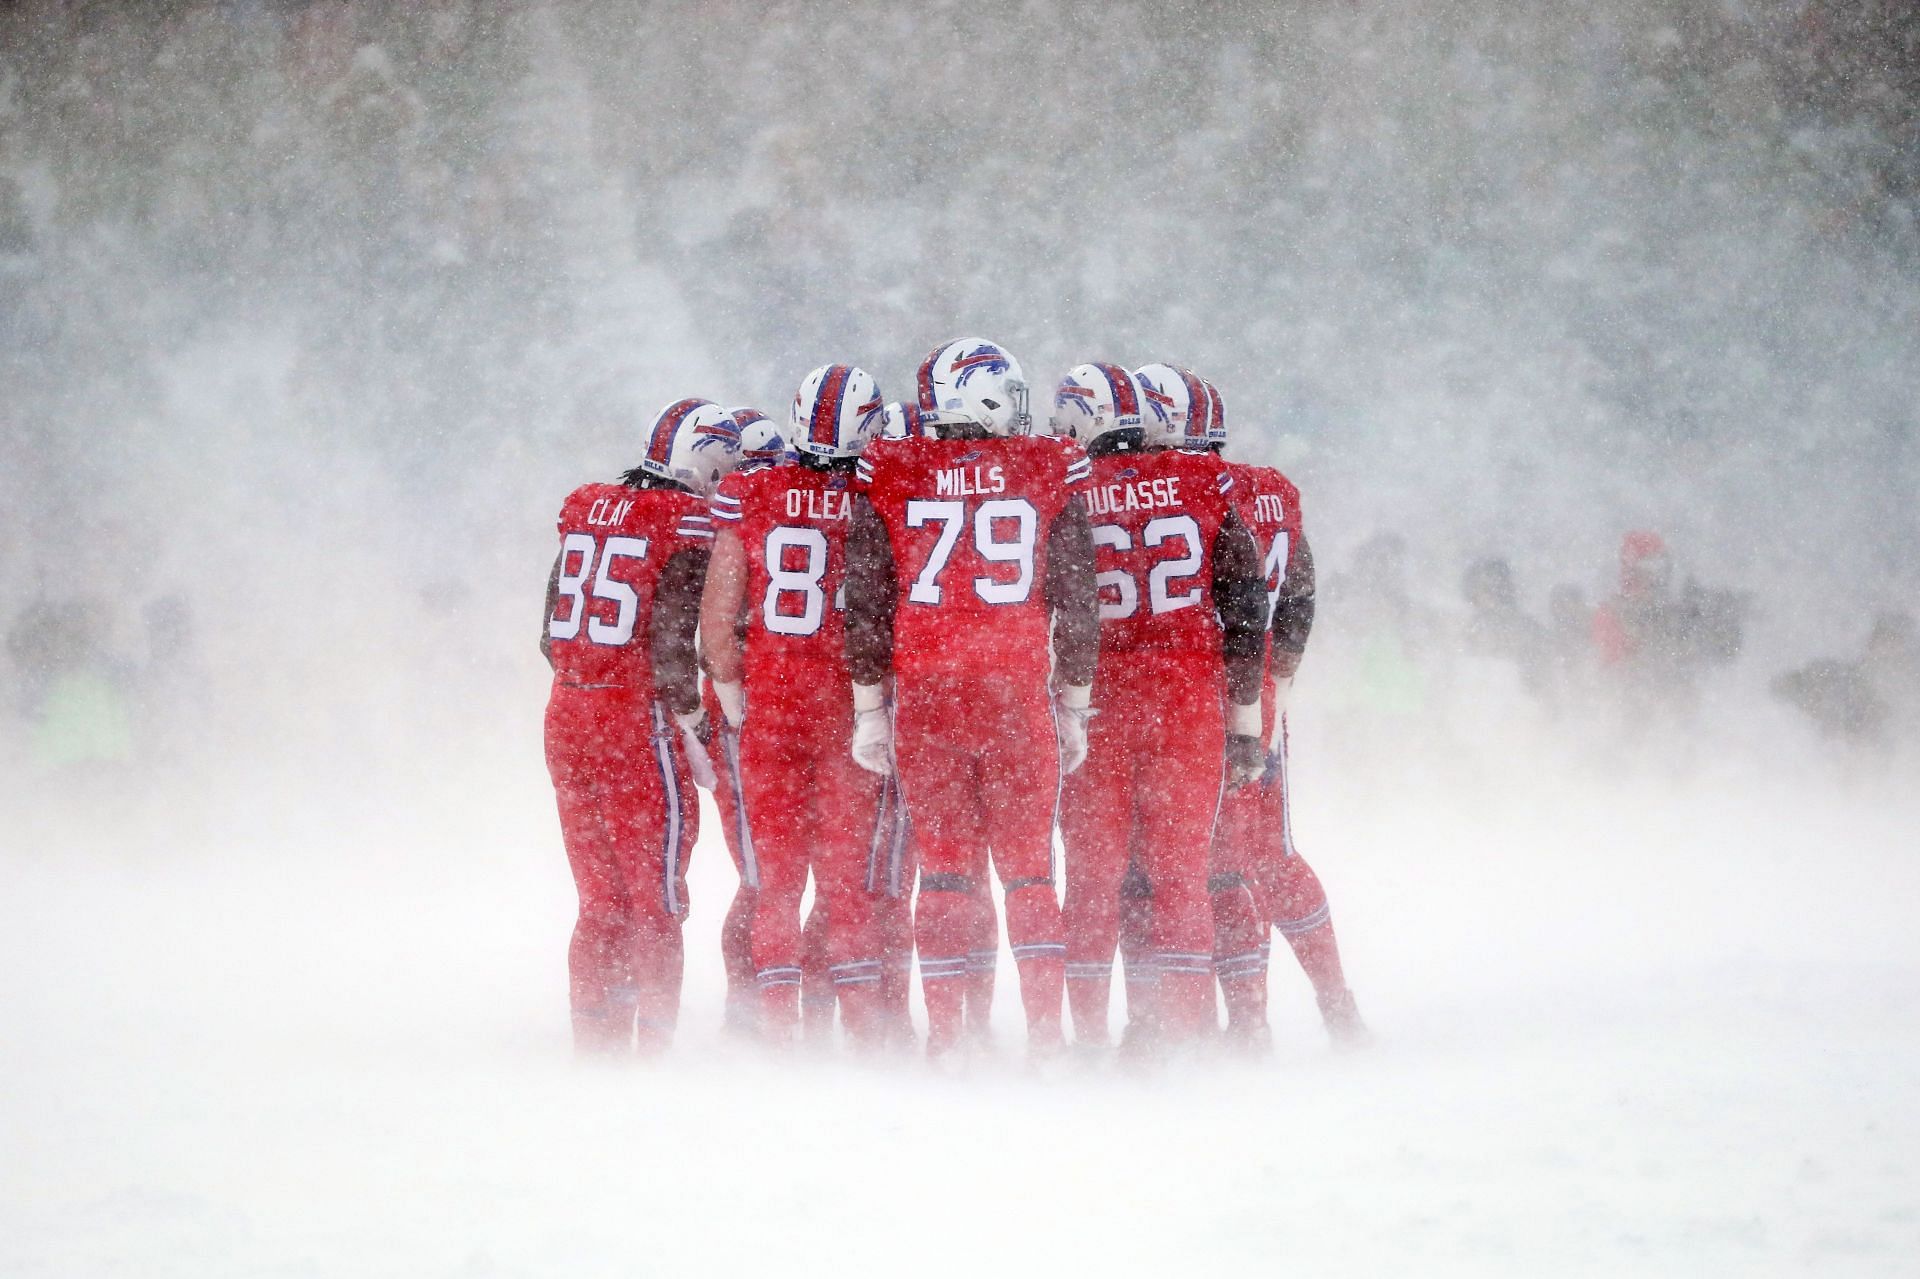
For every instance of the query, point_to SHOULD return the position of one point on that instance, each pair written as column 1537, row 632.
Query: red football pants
column 980, row 769
column 736, row 932
column 629, row 821
column 1289, row 893
column 1240, row 949
column 810, row 807
column 1151, row 785
column 890, row 877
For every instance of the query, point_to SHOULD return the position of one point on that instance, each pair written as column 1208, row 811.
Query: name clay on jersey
column 609, row 510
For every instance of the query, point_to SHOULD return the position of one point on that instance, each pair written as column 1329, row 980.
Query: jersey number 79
column 1003, row 531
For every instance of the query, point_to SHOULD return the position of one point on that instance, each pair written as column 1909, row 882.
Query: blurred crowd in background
column 347, row 251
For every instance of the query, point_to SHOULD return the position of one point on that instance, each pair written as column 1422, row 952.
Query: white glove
column 872, row 730
column 1281, row 688
column 1073, row 706
column 693, row 731
column 733, row 702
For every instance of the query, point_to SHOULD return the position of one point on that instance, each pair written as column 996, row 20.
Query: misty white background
column 311, row 314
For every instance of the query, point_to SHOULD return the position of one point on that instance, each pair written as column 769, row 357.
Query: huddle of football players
column 932, row 634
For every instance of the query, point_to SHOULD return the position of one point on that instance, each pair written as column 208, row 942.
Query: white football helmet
column 900, row 420
column 904, row 418
column 835, row 412
column 693, row 443
column 760, row 439
column 1174, row 407
column 1093, row 400
column 980, row 379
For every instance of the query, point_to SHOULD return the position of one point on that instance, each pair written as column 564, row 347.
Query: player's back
column 1269, row 505
column 968, row 522
column 792, row 521
column 1157, row 518
column 615, row 542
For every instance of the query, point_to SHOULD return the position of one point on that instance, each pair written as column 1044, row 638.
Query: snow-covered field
column 308, row 320
column 1659, row 1028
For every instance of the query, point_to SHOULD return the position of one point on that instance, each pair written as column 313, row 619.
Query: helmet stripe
column 824, row 430
column 1216, row 410
column 926, row 377
column 1197, row 407
column 1121, row 384
column 660, row 448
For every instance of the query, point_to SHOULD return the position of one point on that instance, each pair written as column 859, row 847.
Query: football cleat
column 1342, row 1017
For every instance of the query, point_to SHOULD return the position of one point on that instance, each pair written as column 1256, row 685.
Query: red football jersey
column 614, row 543
column 792, row 521
column 1269, row 505
column 968, row 523
column 1156, row 518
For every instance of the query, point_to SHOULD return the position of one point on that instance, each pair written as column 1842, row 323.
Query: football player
column 761, row 444
column 624, row 728
column 777, row 574
column 969, row 553
column 1182, row 617
column 1254, row 846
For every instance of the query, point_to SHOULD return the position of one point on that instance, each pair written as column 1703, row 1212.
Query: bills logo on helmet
column 1080, row 397
column 722, row 434
column 876, row 407
column 1157, row 402
column 988, row 357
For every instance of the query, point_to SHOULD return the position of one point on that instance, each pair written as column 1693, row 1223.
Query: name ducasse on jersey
column 1140, row 495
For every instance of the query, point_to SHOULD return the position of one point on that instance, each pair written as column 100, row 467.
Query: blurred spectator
column 1391, row 636
column 1871, row 701
column 72, row 690
column 1658, row 640
column 171, row 690
column 1497, row 627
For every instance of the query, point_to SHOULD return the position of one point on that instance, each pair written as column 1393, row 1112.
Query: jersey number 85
column 573, row 586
